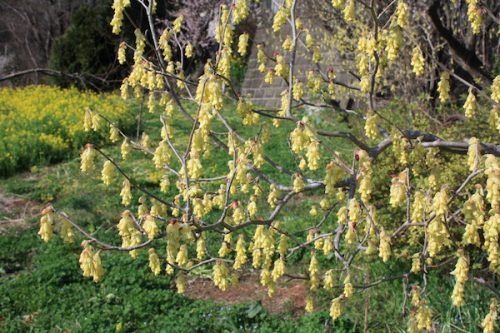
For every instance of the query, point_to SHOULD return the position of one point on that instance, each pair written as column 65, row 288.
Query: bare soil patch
column 289, row 297
column 15, row 211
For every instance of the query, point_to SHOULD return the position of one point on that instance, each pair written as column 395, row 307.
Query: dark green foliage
column 88, row 47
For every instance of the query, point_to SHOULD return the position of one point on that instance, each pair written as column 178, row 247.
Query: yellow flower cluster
column 350, row 11
column 87, row 157
column 243, row 44
column 474, row 14
column 402, row 14
column 461, row 276
column 473, row 154
column 261, row 58
column 419, row 207
column 240, row 11
column 470, row 105
column 495, row 90
column 371, row 129
column 314, row 272
column 473, row 211
column 177, row 24
column 298, row 183
column 348, row 287
column 385, row 246
column 121, row 53
column 313, row 82
column 398, row 189
column 150, row 227
column 118, row 7
column 333, row 174
column 107, row 173
column 337, row 3
column 393, row 40
column 128, row 232
column 336, row 308
column 281, row 68
column 444, row 87
column 437, row 233
column 365, row 171
column 245, row 109
column 489, row 322
column 154, row 262
column 492, row 171
column 491, row 230
column 221, row 275
column 90, row 262
column 278, row 269
column 280, row 17
column 418, row 61
column 46, row 224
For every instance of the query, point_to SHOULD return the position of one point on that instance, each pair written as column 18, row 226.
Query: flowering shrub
column 43, row 124
column 420, row 222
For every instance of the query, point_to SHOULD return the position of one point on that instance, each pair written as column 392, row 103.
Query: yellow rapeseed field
column 43, row 124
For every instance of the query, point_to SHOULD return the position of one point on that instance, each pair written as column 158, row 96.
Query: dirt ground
column 289, row 297
column 15, row 211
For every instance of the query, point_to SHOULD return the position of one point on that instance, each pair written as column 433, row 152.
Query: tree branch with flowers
column 439, row 223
